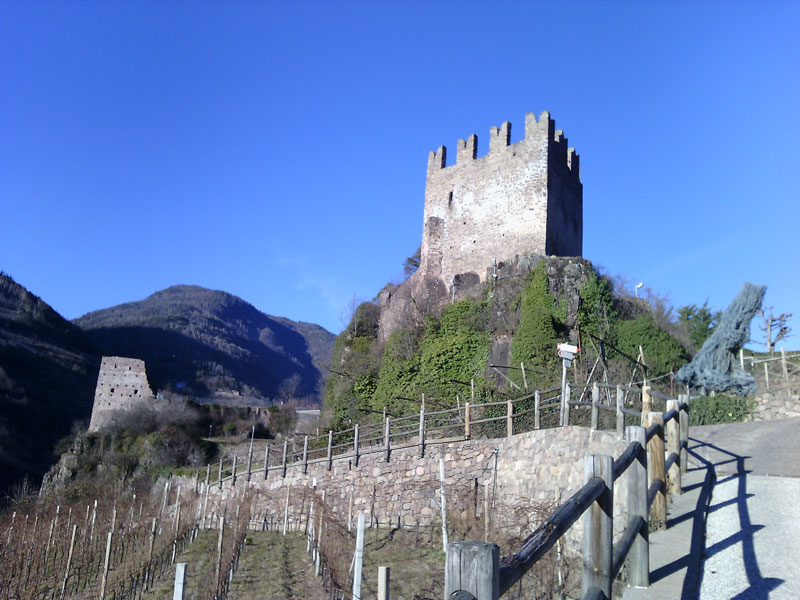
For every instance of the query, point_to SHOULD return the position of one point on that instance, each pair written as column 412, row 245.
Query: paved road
column 766, row 447
column 751, row 548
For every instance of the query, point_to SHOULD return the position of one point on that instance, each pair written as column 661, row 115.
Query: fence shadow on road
column 759, row 587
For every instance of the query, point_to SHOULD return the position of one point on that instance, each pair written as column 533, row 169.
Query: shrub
column 722, row 408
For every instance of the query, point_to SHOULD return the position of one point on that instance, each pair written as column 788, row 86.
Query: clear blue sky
column 277, row 151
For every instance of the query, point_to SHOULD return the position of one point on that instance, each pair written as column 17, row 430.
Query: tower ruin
column 519, row 198
column 121, row 385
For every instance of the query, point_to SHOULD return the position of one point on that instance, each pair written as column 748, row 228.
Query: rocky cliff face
column 48, row 370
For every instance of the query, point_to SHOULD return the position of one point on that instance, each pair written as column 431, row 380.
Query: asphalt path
column 752, row 546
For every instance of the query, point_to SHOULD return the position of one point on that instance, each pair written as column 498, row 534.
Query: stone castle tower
column 518, row 198
column 121, row 385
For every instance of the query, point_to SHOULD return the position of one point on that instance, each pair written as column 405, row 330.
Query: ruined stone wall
column 531, row 467
column 121, row 385
column 519, row 198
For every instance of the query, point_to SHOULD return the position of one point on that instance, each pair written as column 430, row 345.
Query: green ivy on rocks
column 540, row 328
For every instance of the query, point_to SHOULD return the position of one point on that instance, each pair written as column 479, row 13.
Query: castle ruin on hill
column 518, row 199
column 121, row 385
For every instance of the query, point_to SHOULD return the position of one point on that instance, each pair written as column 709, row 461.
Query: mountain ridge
column 206, row 341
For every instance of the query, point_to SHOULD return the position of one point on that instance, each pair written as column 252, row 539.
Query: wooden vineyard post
column 524, row 376
column 509, row 418
column 266, row 461
column 105, row 565
column 387, row 440
column 358, row 558
column 466, row 420
column 595, row 406
column 355, row 446
column 250, row 454
column 305, row 455
column 537, row 402
column 219, row 479
column 218, row 570
column 286, row 510
column 330, row 449
column 69, row 560
column 285, row 451
column 620, row 414
column 179, row 590
column 647, row 404
column 422, row 431
column 383, row 583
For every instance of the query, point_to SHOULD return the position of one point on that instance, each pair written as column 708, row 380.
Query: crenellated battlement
column 517, row 198
column 536, row 131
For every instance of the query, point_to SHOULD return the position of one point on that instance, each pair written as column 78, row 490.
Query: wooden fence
column 775, row 372
column 604, row 407
column 474, row 570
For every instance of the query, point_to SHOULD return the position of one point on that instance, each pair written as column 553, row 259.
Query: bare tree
column 775, row 328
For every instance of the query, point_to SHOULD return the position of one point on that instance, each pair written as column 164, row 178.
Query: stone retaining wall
column 531, row 468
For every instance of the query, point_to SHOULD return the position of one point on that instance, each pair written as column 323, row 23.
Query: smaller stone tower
column 121, row 385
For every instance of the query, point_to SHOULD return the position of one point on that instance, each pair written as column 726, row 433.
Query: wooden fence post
column 639, row 556
column 387, row 439
column 473, row 567
column 219, row 479
column 233, row 478
column 684, row 426
column 620, row 414
column 766, row 375
column 466, row 420
column 330, row 449
column 509, row 418
column 305, row 455
column 598, row 527
column 674, row 445
column 422, row 431
column 285, row 452
column 383, row 583
column 595, row 405
column 179, row 591
column 266, row 460
column 524, row 376
column 537, row 401
column 647, row 404
column 655, row 461
column 355, row 446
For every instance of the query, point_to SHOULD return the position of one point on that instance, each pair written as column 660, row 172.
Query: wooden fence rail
column 467, row 421
column 474, row 570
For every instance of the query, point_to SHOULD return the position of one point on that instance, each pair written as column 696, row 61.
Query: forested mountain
column 205, row 342
column 48, row 371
